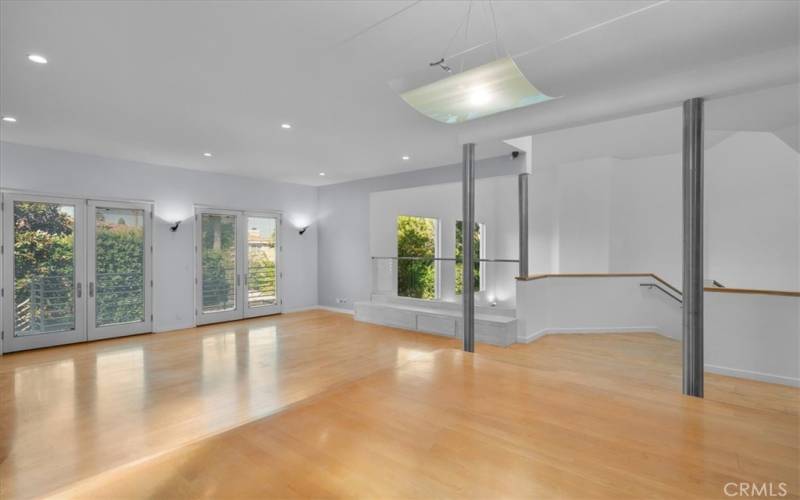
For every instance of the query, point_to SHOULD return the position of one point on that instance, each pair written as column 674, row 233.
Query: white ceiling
column 164, row 82
column 775, row 110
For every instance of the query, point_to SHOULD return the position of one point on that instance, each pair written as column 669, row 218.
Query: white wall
column 646, row 223
column 753, row 204
column 344, row 248
column 624, row 215
column 495, row 207
column 596, row 304
column 608, row 214
column 746, row 335
column 753, row 336
column 542, row 231
column 583, row 216
column 174, row 192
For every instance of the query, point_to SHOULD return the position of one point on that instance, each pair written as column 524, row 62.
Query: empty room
column 404, row 249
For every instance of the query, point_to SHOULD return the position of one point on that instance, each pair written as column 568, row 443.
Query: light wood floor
column 314, row 404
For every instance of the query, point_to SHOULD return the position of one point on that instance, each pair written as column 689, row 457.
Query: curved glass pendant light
column 485, row 90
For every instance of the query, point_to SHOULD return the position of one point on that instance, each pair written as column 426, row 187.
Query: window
column 477, row 253
column 417, row 237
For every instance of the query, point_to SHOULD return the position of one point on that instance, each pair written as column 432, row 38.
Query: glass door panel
column 119, row 269
column 261, row 275
column 46, row 261
column 218, row 267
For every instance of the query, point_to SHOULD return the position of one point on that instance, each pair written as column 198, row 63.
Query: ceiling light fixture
column 9, row 119
column 406, row 158
column 480, row 91
column 485, row 90
column 322, row 174
column 38, row 59
column 208, row 155
column 479, row 96
column 286, row 125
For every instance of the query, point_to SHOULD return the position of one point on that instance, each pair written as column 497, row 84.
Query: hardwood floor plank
column 314, row 404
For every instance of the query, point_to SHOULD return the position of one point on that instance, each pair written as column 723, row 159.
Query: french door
column 237, row 260
column 73, row 270
column 119, row 280
column 44, row 259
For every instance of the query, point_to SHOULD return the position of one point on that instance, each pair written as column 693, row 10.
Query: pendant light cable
column 497, row 40
column 376, row 24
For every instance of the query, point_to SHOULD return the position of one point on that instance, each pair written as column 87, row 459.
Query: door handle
column 79, row 290
column 91, row 289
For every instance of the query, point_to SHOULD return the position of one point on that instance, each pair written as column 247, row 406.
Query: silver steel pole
column 468, row 222
column 693, row 247
column 523, row 223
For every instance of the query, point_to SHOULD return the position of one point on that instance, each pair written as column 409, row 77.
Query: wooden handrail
column 754, row 291
column 656, row 277
column 599, row 275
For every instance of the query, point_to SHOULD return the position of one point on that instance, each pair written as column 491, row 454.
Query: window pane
column 44, row 268
column 218, row 254
column 261, row 282
column 476, row 255
column 416, row 237
column 119, row 265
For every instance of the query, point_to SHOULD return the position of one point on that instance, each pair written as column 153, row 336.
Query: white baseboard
column 761, row 377
column 324, row 308
column 336, row 309
column 299, row 309
column 172, row 327
column 721, row 370
column 527, row 338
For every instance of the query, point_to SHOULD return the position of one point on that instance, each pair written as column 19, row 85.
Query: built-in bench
column 439, row 318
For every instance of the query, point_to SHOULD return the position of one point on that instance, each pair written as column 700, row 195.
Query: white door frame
column 242, row 309
column 250, row 312
column 121, row 329
column 11, row 342
column 232, row 314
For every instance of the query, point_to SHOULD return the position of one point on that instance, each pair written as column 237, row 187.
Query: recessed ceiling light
column 322, row 174
column 38, row 59
column 9, row 119
column 406, row 158
column 208, row 155
column 286, row 125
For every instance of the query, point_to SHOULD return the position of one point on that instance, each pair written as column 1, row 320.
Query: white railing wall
column 594, row 304
column 753, row 336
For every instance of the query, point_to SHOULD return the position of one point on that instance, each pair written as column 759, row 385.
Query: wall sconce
column 174, row 227
column 303, row 230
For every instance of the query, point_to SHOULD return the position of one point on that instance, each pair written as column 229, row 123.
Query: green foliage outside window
column 261, row 280
column 43, row 267
column 219, row 261
column 416, row 237
column 476, row 254
column 119, row 272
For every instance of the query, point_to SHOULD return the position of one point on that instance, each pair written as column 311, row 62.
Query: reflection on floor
column 363, row 410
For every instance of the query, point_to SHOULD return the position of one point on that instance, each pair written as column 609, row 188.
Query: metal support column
column 693, row 247
column 523, row 224
column 468, row 222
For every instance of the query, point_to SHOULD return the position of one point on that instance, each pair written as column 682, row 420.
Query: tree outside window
column 416, row 237
column 476, row 255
